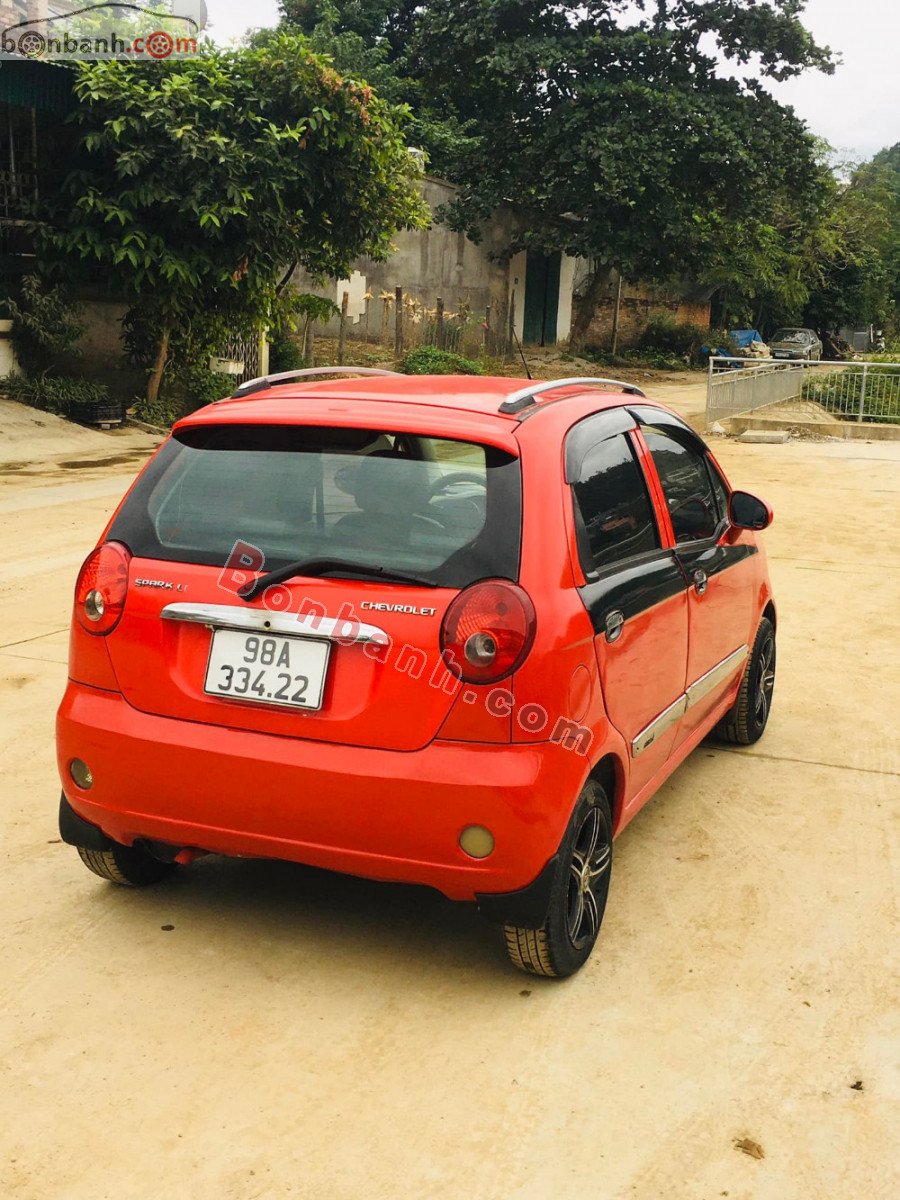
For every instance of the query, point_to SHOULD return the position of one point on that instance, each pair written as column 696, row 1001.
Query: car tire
column 578, row 894
column 128, row 866
column 745, row 722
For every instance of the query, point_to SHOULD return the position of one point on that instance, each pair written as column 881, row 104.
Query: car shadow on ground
column 319, row 915
column 284, row 916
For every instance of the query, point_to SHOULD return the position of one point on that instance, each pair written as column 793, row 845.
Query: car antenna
column 522, row 353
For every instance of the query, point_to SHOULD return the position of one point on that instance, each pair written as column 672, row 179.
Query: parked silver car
column 795, row 343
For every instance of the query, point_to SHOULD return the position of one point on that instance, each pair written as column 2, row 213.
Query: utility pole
column 615, row 321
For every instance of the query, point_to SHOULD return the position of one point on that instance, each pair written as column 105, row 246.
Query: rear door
column 717, row 563
column 635, row 591
column 323, row 655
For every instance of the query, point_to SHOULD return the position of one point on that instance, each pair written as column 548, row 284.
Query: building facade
column 479, row 278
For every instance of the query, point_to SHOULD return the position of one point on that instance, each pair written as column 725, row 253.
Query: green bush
column 184, row 391
column 200, row 387
column 45, row 325
column 664, row 335
column 429, row 360
column 60, row 394
column 840, row 393
column 292, row 314
column 284, row 353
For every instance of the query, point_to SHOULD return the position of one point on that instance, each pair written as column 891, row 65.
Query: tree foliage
column 198, row 181
column 884, row 171
column 832, row 265
column 854, row 279
column 612, row 125
column 376, row 40
column 46, row 326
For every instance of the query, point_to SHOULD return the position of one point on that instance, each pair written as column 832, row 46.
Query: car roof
column 438, row 405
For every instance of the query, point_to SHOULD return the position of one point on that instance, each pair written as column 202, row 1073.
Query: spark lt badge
column 162, row 584
column 410, row 609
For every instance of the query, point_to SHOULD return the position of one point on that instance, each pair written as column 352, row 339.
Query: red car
column 447, row 631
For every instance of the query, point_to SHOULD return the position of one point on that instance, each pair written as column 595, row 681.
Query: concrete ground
column 255, row 1030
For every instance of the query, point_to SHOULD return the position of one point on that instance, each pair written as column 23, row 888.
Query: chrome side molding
column 256, row 620
column 699, row 688
column 658, row 726
column 711, row 680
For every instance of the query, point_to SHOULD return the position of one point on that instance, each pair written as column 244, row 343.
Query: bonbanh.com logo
column 72, row 30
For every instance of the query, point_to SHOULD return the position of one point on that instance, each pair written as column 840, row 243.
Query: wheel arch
column 770, row 614
column 528, row 906
column 610, row 774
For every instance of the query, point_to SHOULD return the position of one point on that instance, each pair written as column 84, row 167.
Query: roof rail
column 266, row 381
column 527, row 397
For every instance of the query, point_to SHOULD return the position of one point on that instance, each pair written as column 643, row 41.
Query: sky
column 857, row 109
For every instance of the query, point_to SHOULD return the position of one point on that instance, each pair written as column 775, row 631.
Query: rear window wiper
column 328, row 566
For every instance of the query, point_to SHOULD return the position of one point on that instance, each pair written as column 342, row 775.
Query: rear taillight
column 102, row 587
column 488, row 630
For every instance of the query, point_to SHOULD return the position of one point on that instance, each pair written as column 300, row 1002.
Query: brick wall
column 639, row 303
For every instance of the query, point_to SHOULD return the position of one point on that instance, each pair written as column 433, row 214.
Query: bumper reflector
column 81, row 773
column 476, row 841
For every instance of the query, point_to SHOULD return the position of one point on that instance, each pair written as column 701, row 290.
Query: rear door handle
column 615, row 622
column 701, row 582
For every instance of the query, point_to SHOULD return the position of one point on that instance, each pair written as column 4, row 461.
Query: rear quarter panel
column 557, row 695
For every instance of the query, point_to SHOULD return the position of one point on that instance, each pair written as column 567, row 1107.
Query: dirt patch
column 114, row 460
column 749, row 1147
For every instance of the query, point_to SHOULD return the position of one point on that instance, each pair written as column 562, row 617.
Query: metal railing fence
column 851, row 391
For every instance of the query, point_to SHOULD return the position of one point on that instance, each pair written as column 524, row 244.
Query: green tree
column 886, row 168
column 834, row 263
column 46, row 326
column 612, row 126
column 624, row 143
column 373, row 40
column 387, row 23
column 850, row 279
column 198, row 182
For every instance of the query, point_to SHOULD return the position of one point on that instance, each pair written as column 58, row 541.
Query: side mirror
column 748, row 512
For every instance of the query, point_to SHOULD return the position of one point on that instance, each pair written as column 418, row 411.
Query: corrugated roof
column 28, row 84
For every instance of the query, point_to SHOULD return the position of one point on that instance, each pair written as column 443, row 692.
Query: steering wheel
column 448, row 481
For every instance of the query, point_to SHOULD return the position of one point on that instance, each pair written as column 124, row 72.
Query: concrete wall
column 518, row 266
column 102, row 352
column 101, row 356
column 436, row 262
column 8, row 363
column 427, row 264
column 568, row 273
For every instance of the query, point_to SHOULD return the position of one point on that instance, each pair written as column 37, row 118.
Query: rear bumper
column 381, row 814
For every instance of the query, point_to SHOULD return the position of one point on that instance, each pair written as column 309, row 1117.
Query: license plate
column 263, row 669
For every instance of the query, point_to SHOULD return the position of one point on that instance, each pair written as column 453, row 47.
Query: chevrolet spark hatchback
column 431, row 630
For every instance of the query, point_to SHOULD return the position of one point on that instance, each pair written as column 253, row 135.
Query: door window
column 613, row 507
column 686, row 485
column 721, row 490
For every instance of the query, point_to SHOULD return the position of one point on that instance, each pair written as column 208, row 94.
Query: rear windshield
column 446, row 510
